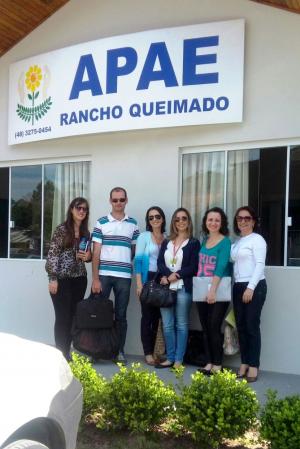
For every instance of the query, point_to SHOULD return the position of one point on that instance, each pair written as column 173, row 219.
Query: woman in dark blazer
column 177, row 263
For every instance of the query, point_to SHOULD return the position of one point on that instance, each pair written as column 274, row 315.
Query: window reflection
column 62, row 183
column 26, row 194
column 202, row 184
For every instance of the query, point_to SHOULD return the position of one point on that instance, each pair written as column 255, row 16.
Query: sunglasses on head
column 118, row 200
column 247, row 218
column 154, row 217
column 178, row 219
column 81, row 208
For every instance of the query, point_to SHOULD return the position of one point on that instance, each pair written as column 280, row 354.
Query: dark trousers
column 247, row 317
column 149, row 323
column 211, row 318
column 70, row 291
column 121, row 289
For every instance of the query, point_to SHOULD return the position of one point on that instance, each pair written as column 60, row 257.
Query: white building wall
column 147, row 162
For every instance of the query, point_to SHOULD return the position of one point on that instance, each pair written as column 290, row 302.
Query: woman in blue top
column 147, row 250
column 213, row 262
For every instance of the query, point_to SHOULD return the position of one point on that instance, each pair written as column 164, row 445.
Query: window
column 257, row 177
column 39, row 198
column 4, row 198
column 293, row 244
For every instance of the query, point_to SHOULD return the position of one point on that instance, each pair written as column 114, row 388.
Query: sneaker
column 121, row 358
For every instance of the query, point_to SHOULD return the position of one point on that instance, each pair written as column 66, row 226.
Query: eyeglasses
column 118, row 200
column 246, row 219
column 178, row 219
column 154, row 217
column 81, row 208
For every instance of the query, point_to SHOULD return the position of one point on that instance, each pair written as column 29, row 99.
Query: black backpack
column 94, row 329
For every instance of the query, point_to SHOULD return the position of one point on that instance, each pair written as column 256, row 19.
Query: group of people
column 171, row 260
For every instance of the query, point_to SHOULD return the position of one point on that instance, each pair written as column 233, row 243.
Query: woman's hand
column 83, row 255
column 173, row 277
column 211, row 296
column 53, row 286
column 164, row 280
column 248, row 295
column 139, row 287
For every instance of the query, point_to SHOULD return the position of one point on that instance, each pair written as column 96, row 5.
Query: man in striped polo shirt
column 114, row 240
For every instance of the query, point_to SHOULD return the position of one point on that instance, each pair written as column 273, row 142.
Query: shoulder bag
column 157, row 295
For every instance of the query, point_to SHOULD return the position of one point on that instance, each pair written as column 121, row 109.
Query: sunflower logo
column 33, row 80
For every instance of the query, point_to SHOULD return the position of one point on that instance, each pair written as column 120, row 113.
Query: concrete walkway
column 285, row 384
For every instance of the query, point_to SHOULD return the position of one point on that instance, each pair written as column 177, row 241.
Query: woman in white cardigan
column 249, row 291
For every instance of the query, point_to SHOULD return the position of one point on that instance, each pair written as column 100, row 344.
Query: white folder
column 201, row 286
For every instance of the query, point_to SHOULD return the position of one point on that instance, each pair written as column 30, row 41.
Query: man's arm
column 96, row 284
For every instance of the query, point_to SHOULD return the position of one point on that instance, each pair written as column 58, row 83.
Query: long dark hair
column 251, row 212
column 69, row 223
column 161, row 212
column 173, row 229
column 224, row 221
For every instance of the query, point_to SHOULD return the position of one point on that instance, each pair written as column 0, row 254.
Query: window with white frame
column 33, row 201
column 267, row 179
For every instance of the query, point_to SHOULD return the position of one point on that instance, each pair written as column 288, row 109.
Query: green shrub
column 136, row 400
column 280, row 421
column 217, row 407
column 93, row 384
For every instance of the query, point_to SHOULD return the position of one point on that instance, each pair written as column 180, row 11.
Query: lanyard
column 175, row 251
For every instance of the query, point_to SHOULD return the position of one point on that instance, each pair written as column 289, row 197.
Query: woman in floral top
column 66, row 270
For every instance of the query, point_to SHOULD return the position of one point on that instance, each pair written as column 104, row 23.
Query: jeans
column 149, row 323
column 121, row 289
column 70, row 291
column 211, row 318
column 247, row 317
column 176, row 324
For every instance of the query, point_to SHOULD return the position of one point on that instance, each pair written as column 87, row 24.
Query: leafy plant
column 136, row 399
column 216, row 407
column 26, row 113
column 280, row 421
column 93, row 384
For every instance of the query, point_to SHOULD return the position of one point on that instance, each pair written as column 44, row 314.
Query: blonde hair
column 173, row 229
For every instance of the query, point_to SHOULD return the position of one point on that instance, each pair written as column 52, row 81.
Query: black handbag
column 157, row 295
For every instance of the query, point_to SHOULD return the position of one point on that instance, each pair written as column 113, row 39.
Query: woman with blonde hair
column 177, row 264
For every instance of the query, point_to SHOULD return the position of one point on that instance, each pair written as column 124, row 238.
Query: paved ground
column 285, row 384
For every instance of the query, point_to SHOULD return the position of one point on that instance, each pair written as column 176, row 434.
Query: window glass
column 293, row 246
column 26, row 193
column 258, row 178
column 62, row 183
column 4, row 192
column 202, row 184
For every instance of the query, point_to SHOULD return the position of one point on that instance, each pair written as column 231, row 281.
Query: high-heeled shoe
column 251, row 379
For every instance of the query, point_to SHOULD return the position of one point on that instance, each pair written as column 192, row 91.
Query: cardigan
column 144, row 245
column 189, row 262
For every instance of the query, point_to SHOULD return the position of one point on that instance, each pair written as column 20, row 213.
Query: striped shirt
column 116, row 238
